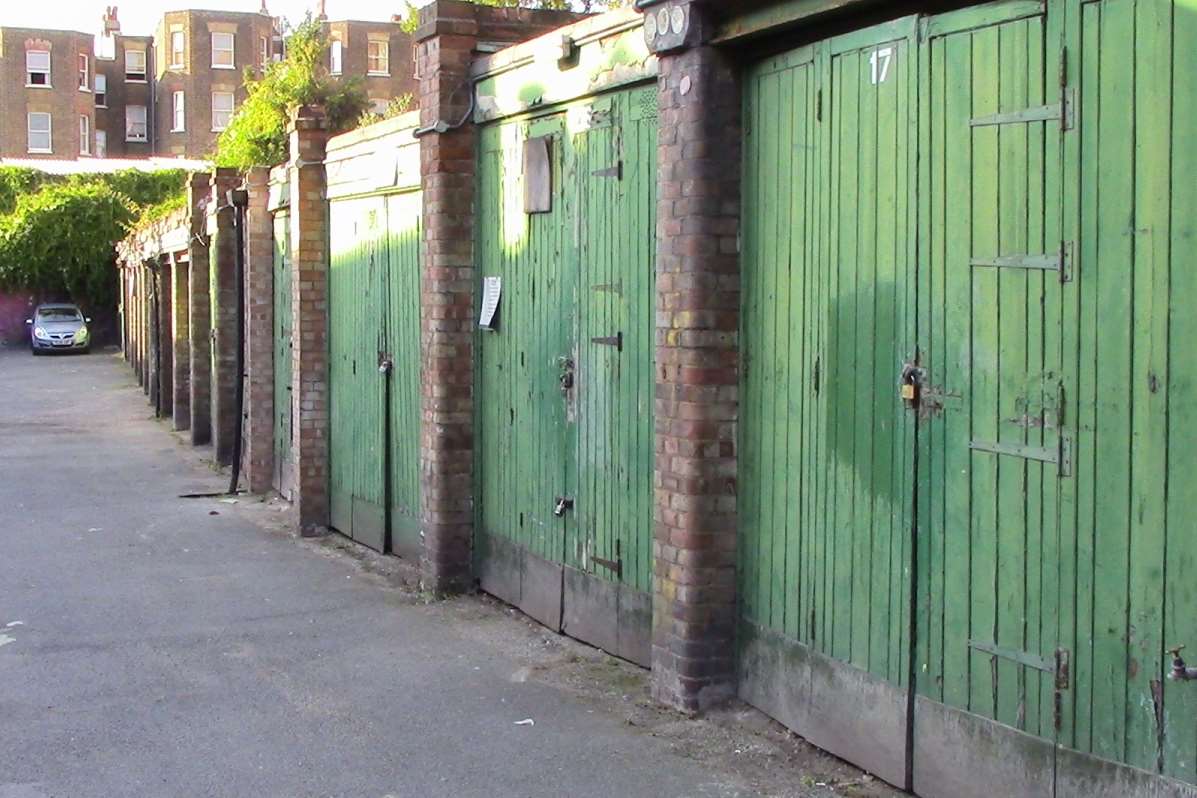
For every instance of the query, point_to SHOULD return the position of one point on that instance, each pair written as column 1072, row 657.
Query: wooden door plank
column 1180, row 588
column 1145, row 664
column 1112, row 180
column 1012, row 377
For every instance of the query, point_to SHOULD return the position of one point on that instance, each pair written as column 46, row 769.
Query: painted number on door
column 880, row 62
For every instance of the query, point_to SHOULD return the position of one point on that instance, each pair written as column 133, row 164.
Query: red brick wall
column 199, row 312
column 698, row 299
column 258, row 443
column 309, row 317
column 448, row 32
column 222, row 280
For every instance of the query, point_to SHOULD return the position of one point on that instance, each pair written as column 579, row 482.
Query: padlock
column 909, row 392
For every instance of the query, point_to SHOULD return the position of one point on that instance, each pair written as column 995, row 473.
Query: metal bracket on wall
column 1058, row 666
column 1060, row 454
column 610, row 340
column 1063, row 111
column 1059, row 262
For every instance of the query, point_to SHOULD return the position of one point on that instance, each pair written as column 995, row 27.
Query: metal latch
column 385, row 363
column 563, row 503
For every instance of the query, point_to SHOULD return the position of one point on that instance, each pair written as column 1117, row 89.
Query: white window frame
column 178, row 58
column 49, row 132
column 84, row 134
column 101, row 144
column 384, row 56
column 128, row 71
column 216, row 127
column 84, row 72
column 336, row 54
column 130, row 121
column 264, row 46
column 30, row 70
column 101, row 91
column 178, row 112
column 231, row 50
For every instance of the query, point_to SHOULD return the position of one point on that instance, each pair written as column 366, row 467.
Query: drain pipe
column 239, row 199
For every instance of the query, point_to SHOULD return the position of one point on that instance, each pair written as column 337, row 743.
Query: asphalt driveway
column 149, row 647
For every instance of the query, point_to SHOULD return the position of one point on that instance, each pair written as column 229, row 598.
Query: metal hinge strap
column 610, row 340
column 1062, row 111
column 1060, row 262
column 611, row 171
column 1060, row 454
column 1014, row 655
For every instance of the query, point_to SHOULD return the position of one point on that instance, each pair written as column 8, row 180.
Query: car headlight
column 81, row 334
column 39, row 332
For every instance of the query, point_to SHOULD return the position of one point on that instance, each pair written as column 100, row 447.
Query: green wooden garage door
column 284, row 410
column 993, row 205
column 374, row 411
column 565, row 385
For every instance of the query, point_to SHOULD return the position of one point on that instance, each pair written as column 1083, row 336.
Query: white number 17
column 880, row 61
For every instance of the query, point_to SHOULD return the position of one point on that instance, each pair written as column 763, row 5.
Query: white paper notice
column 492, row 287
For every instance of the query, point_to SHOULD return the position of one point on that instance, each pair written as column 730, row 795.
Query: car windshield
column 58, row 314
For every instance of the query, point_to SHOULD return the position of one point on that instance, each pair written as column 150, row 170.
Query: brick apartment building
column 68, row 94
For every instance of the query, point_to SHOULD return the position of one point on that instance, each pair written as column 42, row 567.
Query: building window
column 222, row 51
column 334, row 50
column 135, row 127
column 84, row 73
column 39, row 132
column 176, row 49
column 84, row 135
column 178, row 113
column 135, row 66
column 222, row 110
column 378, row 58
column 264, row 48
column 37, row 67
column 101, row 91
column 101, row 144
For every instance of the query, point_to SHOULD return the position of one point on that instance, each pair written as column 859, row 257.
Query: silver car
column 58, row 327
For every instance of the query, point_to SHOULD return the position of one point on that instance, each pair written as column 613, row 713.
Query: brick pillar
column 309, row 318
column 222, row 291
column 258, row 444
column 166, row 349
column 698, row 301
column 181, row 336
column 447, row 160
column 199, row 311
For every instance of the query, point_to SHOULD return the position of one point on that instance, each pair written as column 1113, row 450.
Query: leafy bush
column 62, row 237
column 57, row 233
column 257, row 134
column 396, row 107
column 16, row 181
